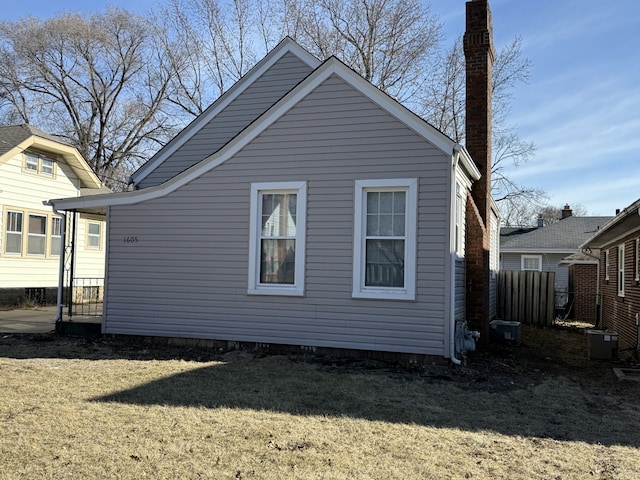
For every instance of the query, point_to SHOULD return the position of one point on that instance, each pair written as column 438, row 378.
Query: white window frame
column 408, row 292
column 530, row 257
column 606, row 265
column 31, row 235
column 255, row 287
column 459, row 221
column 55, row 235
column 621, row 270
column 637, row 264
column 14, row 232
column 90, row 235
column 35, row 164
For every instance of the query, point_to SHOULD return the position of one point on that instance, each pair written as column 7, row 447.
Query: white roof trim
column 287, row 45
column 330, row 67
column 539, row 251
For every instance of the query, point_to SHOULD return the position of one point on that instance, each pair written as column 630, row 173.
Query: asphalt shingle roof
column 12, row 135
column 567, row 234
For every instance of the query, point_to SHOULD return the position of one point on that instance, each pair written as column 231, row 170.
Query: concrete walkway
column 34, row 320
column 27, row 320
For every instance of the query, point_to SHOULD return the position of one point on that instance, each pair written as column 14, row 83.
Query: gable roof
column 330, row 67
column 286, row 46
column 623, row 224
column 17, row 138
column 564, row 236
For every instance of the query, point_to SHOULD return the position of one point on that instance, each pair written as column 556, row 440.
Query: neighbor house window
column 277, row 238
column 37, row 235
column 531, row 263
column 606, row 265
column 94, row 235
column 621, row 270
column 459, row 245
column 56, row 232
column 384, row 264
column 14, row 233
column 39, row 164
column 637, row 262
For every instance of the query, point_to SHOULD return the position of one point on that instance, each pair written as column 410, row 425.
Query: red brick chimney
column 480, row 55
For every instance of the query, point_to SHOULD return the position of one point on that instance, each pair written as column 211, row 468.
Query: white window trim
column 606, row 265
column 637, row 264
column 93, row 235
column 359, row 250
column 255, row 287
column 31, row 235
column 620, row 270
column 527, row 257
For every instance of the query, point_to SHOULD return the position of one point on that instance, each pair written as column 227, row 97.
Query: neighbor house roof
column 623, row 224
column 564, row 236
column 17, row 138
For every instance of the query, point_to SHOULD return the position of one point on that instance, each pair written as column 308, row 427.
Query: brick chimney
column 566, row 212
column 480, row 55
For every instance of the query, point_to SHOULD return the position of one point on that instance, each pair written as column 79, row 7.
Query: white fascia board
column 463, row 157
column 330, row 67
column 287, row 45
column 70, row 154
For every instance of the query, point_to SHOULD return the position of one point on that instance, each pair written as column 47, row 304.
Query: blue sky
column 581, row 106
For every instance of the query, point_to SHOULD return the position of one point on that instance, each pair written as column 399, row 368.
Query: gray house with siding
column 305, row 207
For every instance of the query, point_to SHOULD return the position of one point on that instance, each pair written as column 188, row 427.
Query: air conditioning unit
column 602, row 344
column 506, row 330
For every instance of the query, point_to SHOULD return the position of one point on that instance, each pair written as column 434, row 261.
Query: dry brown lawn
column 109, row 409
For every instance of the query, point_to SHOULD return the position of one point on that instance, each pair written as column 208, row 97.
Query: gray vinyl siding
column 285, row 74
column 187, row 275
column 550, row 261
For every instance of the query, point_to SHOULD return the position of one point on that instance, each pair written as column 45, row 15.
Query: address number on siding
column 130, row 240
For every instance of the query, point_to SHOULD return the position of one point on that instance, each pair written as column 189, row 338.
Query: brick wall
column 618, row 312
column 583, row 289
column 479, row 57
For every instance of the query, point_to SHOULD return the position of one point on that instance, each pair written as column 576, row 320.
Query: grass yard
column 73, row 409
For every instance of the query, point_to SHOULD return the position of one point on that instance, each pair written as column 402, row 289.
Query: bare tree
column 97, row 81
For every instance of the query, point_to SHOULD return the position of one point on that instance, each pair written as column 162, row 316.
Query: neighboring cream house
column 34, row 167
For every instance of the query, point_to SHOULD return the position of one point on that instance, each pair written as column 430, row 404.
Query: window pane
column 386, row 202
column 32, row 163
column 47, row 166
column 373, row 228
column 279, row 215
column 384, row 263
column 531, row 263
column 373, row 200
column 56, row 230
column 14, row 233
column 37, row 239
column 37, row 225
column 277, row 261
column 94, row 228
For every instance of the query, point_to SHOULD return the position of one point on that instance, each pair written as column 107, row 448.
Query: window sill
column 278, row 291
column 384, row 295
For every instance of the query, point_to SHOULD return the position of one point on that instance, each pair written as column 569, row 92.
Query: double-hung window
column 459, row 221
column 56, row 232
column 637, row 262
column 14, row 233
column 37, row 235
column 606, row 265
column 621, row 270
column 277, row 238
column 384, row 263
column 94, row 235
column 39, row 165
column 531, row 263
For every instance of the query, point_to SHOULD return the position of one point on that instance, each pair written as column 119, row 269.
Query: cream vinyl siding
column 190, row 280
column 285, row 74
column 22, row 191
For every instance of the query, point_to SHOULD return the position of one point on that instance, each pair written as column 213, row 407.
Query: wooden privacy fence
column 527, row 297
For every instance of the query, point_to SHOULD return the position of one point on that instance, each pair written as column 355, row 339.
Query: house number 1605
column 130, row 240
